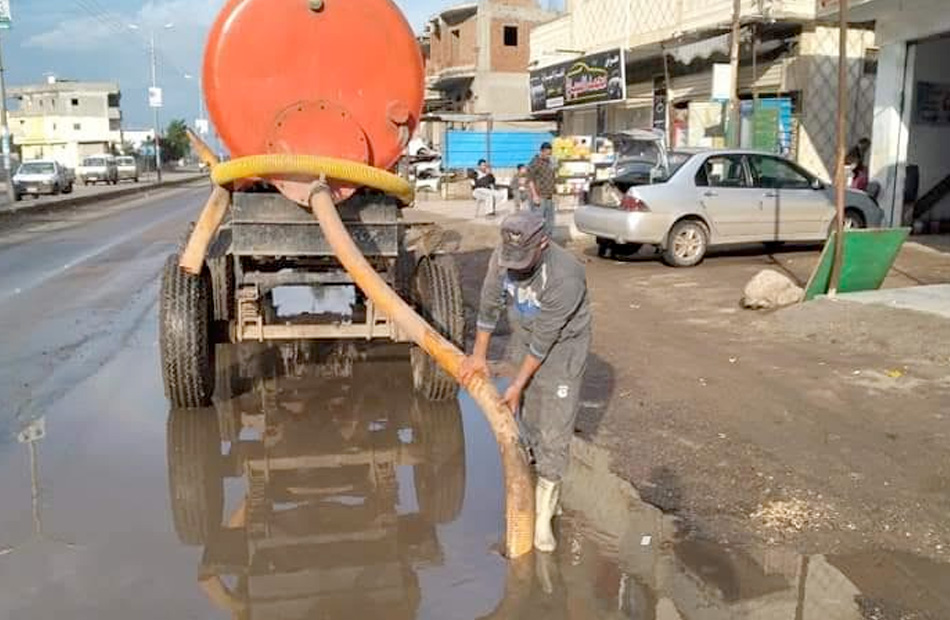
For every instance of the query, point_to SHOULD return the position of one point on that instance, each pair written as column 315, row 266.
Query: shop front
column 911, row 111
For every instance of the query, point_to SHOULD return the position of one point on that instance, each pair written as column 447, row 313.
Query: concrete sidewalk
column 929, row 299
column 465, row 210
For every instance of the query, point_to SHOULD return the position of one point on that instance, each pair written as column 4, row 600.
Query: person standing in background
column 542, row 182
column 522, row 191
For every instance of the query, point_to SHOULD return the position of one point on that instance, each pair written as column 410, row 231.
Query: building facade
column 65, row 121
column 477, row 56
column 911, row 107
column 787, row 76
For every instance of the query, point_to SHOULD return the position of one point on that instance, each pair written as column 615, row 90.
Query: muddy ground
column 824, row 427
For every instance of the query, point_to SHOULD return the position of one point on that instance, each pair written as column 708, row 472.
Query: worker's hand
column 471, row 366
column 512, row 397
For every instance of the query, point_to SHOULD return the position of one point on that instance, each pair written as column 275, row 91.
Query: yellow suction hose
column 519, row 509
column 312, row 166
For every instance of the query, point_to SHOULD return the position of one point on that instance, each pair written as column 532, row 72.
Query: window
column 511, row 36
column 775, row 173
column 77, row 126
column 723, row 171
column 74, row 102
column 456, row 43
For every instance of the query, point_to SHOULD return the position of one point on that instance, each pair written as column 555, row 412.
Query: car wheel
column 853, row 220
column 68, row 189
column 605, row 248
column 687, row 244
column 17, row 197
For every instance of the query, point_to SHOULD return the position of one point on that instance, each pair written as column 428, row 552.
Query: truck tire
column 440, row 479
column 438, row 297
column 184, row 334
column 195, row 483
column 221, row 267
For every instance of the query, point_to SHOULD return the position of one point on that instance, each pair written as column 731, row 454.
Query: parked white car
column 41, row 177
column 98, row 169
column 719, row 197
column 127, row 168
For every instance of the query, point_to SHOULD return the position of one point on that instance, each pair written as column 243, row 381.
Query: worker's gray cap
column 522, row 234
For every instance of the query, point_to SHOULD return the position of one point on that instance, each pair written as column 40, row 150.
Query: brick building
column 477, row 56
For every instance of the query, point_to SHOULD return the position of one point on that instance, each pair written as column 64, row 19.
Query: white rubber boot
column 546, row 496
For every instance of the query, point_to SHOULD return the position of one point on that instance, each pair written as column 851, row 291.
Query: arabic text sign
column 6, row 19
column 598, row 78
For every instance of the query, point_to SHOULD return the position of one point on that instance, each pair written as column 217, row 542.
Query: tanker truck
column 316, row 101
column 328, row 78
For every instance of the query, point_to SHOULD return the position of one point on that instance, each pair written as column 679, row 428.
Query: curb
column 78, row 201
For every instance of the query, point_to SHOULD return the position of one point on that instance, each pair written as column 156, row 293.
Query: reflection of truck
column 317, row 436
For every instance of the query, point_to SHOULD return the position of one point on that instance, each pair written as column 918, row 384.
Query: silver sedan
column 719, row 197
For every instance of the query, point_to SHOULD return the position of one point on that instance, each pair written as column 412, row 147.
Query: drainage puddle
column 320, row 486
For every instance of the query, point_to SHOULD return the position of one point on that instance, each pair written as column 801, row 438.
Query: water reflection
column 329, row 448
column 320, row 486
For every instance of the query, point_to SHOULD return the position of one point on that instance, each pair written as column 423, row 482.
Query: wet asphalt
column 318, row 485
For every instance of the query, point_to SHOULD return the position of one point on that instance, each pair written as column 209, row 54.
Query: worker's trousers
column 551, row 402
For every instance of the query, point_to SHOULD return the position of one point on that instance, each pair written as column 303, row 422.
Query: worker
column 542, row 180
column 545, row 290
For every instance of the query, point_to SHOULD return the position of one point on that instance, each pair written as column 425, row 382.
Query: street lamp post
column 5, row 132
column 155, row 105
column 155, row 128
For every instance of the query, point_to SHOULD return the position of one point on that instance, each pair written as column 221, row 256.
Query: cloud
column 77, row 35
column 104, row 30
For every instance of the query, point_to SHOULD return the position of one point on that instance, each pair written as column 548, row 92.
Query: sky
column 90, row 40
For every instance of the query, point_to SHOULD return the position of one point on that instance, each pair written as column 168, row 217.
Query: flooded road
column 320, row 486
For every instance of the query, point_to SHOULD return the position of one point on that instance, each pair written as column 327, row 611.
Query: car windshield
column 125, row 161
column 643, row 150
column 37, row 167
column 94, row 161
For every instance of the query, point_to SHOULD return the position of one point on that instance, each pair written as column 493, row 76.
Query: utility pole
column 735, row 114
column 840, row 180
column 158, row 148
column 5, row 131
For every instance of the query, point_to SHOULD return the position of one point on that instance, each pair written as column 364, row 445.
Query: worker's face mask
column 521, row 275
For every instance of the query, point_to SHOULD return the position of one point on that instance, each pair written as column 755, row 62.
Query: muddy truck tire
column 187, row 350
column 440, row 479
column 195, row 485
column 437, row 293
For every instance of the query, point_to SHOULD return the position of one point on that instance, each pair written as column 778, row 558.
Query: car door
column 725, row 194
column 793, row 205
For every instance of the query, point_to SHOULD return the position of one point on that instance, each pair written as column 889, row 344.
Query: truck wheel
column 195, row 485
column 438, row 297
column 440, row 479
column 221, row 268
column 186, row 347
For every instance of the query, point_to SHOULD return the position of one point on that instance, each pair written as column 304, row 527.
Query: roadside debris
column 787, row 516
column 770, row 289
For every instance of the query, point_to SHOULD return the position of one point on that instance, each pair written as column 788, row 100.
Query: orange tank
column 338, row 78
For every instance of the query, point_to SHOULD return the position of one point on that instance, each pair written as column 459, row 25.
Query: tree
column 175, row 144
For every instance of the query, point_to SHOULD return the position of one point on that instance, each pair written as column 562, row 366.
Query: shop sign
column 594, row 79
column 933, row 103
